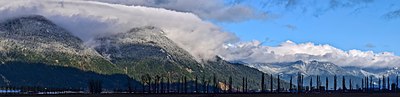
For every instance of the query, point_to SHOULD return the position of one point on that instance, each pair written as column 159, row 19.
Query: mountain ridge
column 136, row 53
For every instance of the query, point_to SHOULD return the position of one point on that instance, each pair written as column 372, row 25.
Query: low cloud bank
column 254, row 52
column 90, row 19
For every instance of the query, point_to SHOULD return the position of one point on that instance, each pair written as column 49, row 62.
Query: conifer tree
column 291, row 84
column 335, row 82
column 299, row 82
column 326, row 84
column 397, row 83
column 230, row 84
column 343, row 84
column 310, row 84
column 383, row 82
column 367, row 83
column 317, row 87
column 371, row 83
column 243, row 85
column 262, row 82
column 272, row 84
column 196, row 85
column 185, row 84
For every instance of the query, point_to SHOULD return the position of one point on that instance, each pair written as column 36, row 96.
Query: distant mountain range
column 311, row 69
column 36, row 52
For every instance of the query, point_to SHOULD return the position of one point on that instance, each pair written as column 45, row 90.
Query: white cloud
column 216, row 10
column 88, row 19
column 253, row 52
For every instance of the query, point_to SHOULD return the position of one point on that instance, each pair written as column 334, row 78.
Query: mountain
column 311, row 69
column 146, row 50
column 36, row 52
column 305, row 67
column 34, row 39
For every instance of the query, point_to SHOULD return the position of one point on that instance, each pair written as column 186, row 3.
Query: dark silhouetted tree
column 230, row 84
column 272, row 83
column 302, row 81
column 335, row 82
column 343, row 84
column 299, row 82
column 243, row 85
column 185, row 84
column 397, row 83
column 196, row 85
column 371, row 83
column 367, row 83
column 310, row 84
column 393, row 86
column 291, row 84
column 383, row 82
column 318, row 82
column 326, row 84
column 262, row 82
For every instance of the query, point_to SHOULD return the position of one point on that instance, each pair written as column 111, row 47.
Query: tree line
column 212, row 84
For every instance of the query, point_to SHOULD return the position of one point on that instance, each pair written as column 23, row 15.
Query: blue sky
column 361, row 26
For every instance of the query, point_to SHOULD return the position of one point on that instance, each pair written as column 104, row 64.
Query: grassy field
column 220, row 95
